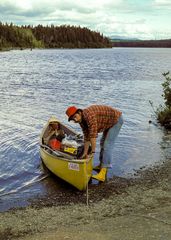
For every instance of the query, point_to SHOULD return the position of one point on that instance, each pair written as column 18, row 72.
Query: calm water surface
column 37, row 84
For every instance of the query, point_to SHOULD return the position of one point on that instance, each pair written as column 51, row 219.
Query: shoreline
column 140, row 209
column 115, row 47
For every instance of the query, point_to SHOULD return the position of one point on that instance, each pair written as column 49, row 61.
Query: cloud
column 25, row 8
column 136, row 29
column 162, row 4
column 46, row 6
column 86, row 13
column 125, row 17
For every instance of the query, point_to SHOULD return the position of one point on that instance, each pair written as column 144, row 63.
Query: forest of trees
column 12, row 36
column 65, row 36
column 166, row 43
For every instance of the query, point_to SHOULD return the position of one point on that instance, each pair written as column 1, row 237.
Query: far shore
column 118, row 46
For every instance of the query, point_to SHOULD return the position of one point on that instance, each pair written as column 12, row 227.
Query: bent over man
column 93, row 120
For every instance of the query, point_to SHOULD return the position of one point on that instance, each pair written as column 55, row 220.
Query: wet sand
column 138, row 208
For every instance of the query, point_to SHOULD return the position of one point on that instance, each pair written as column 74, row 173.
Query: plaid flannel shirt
column 98, row 118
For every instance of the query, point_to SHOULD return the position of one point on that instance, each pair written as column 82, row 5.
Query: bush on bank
column 163, row 112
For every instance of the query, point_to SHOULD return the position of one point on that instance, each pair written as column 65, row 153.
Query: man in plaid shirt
column 93, row 120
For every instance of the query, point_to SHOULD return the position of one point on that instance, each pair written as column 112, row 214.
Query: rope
column 87, row 196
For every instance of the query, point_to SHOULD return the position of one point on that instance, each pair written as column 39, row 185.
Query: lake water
column 37, row 84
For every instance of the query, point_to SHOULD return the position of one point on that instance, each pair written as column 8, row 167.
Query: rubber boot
column 101, row 176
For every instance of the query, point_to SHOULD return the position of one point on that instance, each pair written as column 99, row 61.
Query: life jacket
column 55, row 144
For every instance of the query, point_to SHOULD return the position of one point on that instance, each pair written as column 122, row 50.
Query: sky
column 143, row 19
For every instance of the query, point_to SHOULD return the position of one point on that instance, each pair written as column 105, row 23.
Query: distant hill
column 143, row 43
column 12, row 36
column 119, row 41
column 122, row 38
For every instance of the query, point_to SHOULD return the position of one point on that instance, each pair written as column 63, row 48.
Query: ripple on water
column 37, row 84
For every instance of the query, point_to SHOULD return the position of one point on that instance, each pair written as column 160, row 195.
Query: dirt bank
column 119, row 209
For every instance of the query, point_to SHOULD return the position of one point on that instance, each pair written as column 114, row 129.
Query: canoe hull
column 76, row 172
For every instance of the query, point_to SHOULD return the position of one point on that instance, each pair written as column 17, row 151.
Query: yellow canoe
column 77, row 172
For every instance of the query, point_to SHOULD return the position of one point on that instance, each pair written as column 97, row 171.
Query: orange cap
column 71, row 111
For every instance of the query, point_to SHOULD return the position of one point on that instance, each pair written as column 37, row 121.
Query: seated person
column 54, row 131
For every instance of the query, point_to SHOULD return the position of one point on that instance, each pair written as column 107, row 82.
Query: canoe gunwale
column 63, row 158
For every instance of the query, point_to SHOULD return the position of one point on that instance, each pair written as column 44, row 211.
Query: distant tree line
column 166, row 43
column 70, row 37
column 12, row 36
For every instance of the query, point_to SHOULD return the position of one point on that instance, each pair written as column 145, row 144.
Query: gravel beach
column 138, row 208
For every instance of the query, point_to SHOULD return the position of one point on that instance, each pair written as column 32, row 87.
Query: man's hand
column 85, row 156
column 91, row 155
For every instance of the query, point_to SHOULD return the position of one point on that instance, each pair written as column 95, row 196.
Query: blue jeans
column 107, row 144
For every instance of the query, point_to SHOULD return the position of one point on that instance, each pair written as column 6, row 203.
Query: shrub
column 167, row 89
column 163, row 113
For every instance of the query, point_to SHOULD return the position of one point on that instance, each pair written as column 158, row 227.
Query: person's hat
column 53, row 120
column 71, row 111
